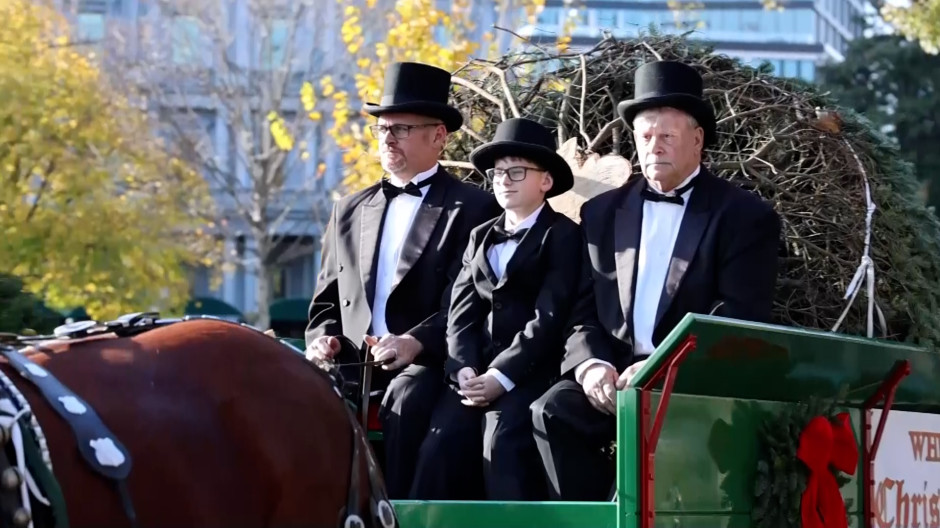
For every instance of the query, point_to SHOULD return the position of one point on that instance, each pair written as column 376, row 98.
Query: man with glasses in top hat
column 390, row 255
column 679, row 240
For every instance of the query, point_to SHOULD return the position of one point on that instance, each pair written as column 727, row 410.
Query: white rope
column 9, row 420
column 33, row 423
column 866, row 269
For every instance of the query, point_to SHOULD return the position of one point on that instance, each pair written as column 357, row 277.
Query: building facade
column 794, row 36
column 123, row 32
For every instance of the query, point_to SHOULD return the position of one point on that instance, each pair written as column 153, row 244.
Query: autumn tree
column 225, row 79
column 92, row 210
column 917, row 19
column 376, row 33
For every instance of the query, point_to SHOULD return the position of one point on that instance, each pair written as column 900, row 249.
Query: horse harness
column 29, row 493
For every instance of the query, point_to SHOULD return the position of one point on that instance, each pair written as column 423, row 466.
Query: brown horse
column 225, row 427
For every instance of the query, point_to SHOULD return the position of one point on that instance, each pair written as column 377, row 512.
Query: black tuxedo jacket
column 429, row 263
column 724, row 259
column 516, row 324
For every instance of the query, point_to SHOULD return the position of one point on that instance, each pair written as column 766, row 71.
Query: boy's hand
column 463, row 376
column 482, row 390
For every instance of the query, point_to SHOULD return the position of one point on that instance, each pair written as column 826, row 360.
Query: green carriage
column 689, row 441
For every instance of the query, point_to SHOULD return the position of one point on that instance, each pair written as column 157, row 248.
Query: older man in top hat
column 680, row 240
column 390, row 255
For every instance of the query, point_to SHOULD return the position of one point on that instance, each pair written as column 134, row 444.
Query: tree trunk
column 264, row 294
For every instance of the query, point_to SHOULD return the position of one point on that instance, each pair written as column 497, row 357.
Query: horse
column 200, row 422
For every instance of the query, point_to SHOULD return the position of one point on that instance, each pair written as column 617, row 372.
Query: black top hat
column 530, row 140
column 672, row 84
column 415, row 88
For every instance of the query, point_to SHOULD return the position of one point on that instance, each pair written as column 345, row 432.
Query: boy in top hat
column 679, row 240
column 506, row 326
column 390, row 255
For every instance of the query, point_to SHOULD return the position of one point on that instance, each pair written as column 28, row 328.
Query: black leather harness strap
column 99, row 447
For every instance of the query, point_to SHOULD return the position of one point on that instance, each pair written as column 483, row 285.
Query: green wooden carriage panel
column 707, row 456
column 473, row 514
column 738, row 376
column 739, row 359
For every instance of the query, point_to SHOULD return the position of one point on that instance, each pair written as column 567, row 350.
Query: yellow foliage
column 412, row 25
column 282, row 136
column 564, row 38
column 95, row 213
column 308, row 97
column 917, row 21
column 532, row 10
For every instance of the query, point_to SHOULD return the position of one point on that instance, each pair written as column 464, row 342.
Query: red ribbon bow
column 824, row 443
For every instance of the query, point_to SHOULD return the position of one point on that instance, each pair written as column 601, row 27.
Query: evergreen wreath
column 781, row 477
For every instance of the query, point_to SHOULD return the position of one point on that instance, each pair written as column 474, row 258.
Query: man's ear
column 700, row 138
column 441, row 136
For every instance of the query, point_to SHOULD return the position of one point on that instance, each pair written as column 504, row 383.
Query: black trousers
column 405, row 415
column 573, row 439
column 450, row 465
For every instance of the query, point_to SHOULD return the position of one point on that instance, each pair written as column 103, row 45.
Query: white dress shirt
column 499, row 256
column 399, row 215
column 659, row 231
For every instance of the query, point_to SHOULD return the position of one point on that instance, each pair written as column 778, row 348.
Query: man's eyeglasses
column 399, row 131
column 515, row 174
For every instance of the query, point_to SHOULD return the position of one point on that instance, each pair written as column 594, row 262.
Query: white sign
column 907, row 471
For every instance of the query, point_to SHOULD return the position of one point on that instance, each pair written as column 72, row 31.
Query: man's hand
column 401, row 349
column 463, row 376
column 627, row 375
column 323, row 348
column 482, row 390
column 598, row 384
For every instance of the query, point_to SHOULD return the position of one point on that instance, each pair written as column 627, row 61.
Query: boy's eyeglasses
column 399, row 131
column 515, row 174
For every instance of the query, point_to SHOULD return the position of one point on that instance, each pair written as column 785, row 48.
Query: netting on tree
column 780, row 138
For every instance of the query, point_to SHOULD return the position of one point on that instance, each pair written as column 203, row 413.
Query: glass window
column 90, row 27
column 770, row 22
column 184, row 34
column 92, row 6
column 750, row 21
column 805, row 22
column 708, row 20
column 807, row 70
column 787, row 21
column 640, row 19
column 549, row 16
column 607, row 18
column 579, row 16
column 278, row 33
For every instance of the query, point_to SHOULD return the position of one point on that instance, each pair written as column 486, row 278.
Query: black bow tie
column 653, row 196
column 500, row 235
column 391, row 191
